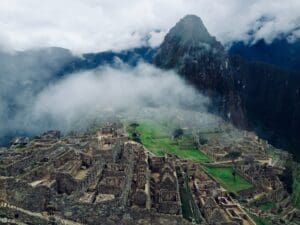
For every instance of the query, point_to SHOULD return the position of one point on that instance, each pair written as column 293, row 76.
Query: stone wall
column 23, row 195
column 14, row 216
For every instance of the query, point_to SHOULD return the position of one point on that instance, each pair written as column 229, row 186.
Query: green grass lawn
column 267, row 206
column 226, row 179
column 296, row 185
column 158, row 139
column 152, row 130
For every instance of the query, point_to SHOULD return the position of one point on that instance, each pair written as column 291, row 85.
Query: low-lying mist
column 79, row 99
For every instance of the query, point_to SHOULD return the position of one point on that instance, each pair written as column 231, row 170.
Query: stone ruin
column 249, row 144
column 100, row 178
column 214, row 203
column 264, row 177
column 105, row 178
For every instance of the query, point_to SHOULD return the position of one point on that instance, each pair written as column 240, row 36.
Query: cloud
column 22, row 76
column 92, row 25
column 85, row 96
column 78, row 100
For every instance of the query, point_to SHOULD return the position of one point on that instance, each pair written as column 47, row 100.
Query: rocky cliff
column 202, row 60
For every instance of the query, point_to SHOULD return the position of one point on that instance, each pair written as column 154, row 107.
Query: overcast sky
column 98, row 25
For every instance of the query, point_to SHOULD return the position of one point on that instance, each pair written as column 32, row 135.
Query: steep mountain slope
column 280, row 52
column 271, row 96
column 202, row 61
column 268, row 80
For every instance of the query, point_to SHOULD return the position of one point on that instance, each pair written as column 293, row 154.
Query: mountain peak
column 190, row 22
column 191, row 29
column 187, row 40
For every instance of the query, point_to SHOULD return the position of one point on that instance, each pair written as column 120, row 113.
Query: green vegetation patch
column 259, row 220
column 152, row 130
column 189, row 208
column 291, row 179
column 224, row 175
column 267, row 206
column 296, row 184
column 158, row 139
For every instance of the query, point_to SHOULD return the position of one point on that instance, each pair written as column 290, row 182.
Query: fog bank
column 78, row 100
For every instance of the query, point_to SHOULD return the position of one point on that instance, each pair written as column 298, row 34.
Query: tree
column 136, row 137
column 177, row 133
column 202, row 140
column 134, row 125
column 234, row 155
column 234, row 174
